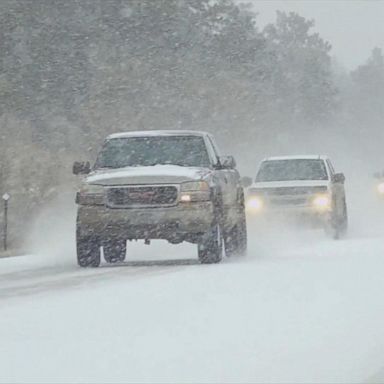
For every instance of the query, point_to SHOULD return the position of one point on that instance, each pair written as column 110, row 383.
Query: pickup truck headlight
column 380, row 188
column 90, row 195
column 254, row 204
column 193, row 191
column 322, row 202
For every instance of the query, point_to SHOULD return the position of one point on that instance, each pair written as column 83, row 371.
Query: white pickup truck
column 303, row 187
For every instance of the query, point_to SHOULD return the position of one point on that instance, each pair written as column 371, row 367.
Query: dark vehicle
column 170, row 185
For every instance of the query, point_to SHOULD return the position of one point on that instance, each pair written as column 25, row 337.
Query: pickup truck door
column 228, row 178
column 337, row 189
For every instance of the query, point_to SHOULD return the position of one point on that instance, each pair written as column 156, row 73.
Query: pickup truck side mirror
column 246, row 181
column 227, row 162
column 338, row 178
column 81, row 167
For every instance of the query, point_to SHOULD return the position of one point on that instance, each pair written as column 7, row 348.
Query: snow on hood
column 157, row 174
column 290, row 183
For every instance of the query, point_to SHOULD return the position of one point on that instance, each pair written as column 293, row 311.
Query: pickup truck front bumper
column 301, row 215
column 183, row 222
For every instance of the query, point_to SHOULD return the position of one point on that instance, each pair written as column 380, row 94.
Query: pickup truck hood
column 158, row 174
column 290, row 183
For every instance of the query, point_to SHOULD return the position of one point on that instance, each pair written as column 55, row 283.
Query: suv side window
column 330, row 167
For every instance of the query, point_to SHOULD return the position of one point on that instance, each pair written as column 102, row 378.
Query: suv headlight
column 90, row 195
column 192, row 191
column 322, row 202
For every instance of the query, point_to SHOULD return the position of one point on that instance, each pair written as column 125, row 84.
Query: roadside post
column 5, row 233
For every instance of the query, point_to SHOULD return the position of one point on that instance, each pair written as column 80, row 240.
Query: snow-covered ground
column 299, row 308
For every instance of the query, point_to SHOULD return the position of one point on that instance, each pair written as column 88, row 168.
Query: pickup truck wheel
column 236, row 239
column 332, row 231
column 337, row 225
column 210, row 249
column 88, row 252
column 344, row 219
column 242, row 236
column 115, row 251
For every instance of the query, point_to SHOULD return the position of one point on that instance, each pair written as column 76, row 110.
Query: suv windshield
column 298, row 169
column 188, row 151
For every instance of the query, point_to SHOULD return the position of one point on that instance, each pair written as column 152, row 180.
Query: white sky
column 353, row 27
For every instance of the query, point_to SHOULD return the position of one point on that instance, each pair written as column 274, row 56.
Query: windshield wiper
column 142, row 165
column 167, row 163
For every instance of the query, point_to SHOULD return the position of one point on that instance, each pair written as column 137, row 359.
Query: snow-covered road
column 299, row 308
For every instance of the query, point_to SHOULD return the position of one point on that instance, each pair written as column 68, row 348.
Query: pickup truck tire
column 88, row 252
column 332, row 231
column 344, row 218
column 210, row 249
column 235, row 239
column 338, row 224
column 114, row 251
column 242, row 236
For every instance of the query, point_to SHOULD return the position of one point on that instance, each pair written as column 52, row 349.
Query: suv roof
column 297, row 157
column 157, row 133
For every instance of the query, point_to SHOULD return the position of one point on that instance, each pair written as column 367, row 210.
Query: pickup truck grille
column 288, row 196
column 142, row 196
column 291, row 201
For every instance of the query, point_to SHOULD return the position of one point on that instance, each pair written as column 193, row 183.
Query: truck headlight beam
column 380, row 188
column 255, row 204
column 322, row 202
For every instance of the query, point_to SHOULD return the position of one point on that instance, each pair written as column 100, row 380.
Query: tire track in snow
column 46, row 279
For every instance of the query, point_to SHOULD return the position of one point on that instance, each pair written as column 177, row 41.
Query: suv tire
column 114, row 251
column 88, row 252
column 210, row 249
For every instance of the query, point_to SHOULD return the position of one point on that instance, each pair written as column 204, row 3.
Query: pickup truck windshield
column 296, row 169
column 187, row 151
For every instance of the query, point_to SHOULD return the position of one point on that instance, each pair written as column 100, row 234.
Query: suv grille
column 142, row 196
column 290, row 191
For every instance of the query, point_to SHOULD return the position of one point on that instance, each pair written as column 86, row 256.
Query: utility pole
column 5, row 233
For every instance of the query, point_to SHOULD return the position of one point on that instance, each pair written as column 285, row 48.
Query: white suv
column 300, row 186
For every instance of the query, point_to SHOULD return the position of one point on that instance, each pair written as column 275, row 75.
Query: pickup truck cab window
column 187, row 151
